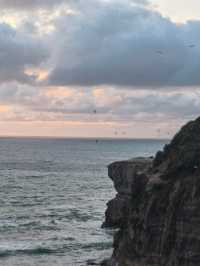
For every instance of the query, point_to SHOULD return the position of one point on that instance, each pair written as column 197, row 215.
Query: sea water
column 53, row 195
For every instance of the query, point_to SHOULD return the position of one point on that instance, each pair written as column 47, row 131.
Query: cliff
column 157, row 207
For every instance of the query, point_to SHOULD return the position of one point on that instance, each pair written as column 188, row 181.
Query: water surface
column 53, row 195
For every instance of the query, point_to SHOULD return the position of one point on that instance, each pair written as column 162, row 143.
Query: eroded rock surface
column 129, row 177
column 157, row 207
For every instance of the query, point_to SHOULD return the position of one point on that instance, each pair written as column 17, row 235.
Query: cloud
column 117, row 57
column 118, row 43
column 17, row 52
column 21, row 5
column 29, row 4
column 29, row 103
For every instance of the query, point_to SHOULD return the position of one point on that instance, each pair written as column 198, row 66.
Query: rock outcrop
column 128, row 177
column 157, row 207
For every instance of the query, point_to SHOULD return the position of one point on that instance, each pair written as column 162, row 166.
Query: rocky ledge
column 157, row 206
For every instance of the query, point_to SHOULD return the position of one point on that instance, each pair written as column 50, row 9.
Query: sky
column 98, row 68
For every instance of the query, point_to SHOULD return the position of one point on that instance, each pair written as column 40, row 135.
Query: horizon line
column 82, row 138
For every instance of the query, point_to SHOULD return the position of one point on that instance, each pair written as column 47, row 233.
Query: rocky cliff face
column 157, row 208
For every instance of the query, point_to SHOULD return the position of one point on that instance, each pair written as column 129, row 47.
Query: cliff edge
column 157, row 206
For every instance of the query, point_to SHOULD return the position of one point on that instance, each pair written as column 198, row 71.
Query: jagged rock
column 126, row 174
column 182, row 156
column 160, row 226
column 128, row 177
column 116, row 211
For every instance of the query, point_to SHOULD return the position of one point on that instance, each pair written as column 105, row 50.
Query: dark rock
column 106, row 262
column 125, row 173
column 128, row 177
column 157, row 208
column 116, row 211
column 183, row 154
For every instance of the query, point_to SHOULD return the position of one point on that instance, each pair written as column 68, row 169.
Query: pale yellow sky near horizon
column 96, row 130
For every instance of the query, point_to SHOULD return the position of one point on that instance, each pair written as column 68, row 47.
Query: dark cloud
column 21, row 5
column 29, row 4
column 169, row 105
column 19, row 51
column 125, row 45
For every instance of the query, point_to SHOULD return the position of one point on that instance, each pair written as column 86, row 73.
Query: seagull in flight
column 192, row 46
column 160, row 52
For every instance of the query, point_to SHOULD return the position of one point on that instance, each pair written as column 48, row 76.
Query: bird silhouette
column 160, row 52
column 192, row 46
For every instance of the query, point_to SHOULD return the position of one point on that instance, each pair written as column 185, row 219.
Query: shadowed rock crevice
column 157, row 206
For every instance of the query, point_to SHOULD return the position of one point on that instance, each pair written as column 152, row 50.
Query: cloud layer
column 29, row 4
column 97, row 61
column 104, row 43
column 126, row 45
column 19, row 51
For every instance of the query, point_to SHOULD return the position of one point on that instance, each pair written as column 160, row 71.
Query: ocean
column 53, row 195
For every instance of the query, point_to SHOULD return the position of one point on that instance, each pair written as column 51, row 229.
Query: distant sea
column 53, row 195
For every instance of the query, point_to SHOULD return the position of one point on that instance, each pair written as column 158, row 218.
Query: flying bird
column 192, row 46
column 160, row 52
column 158, row 131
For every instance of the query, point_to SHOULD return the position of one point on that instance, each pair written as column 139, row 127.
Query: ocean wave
column 79, row 216
column 60, row 249
column 98, row 246
column 31, row 251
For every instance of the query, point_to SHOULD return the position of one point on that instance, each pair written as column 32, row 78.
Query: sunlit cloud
column 4, row 108
column 60, row 92
column 38, row 73
column 176, row 10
